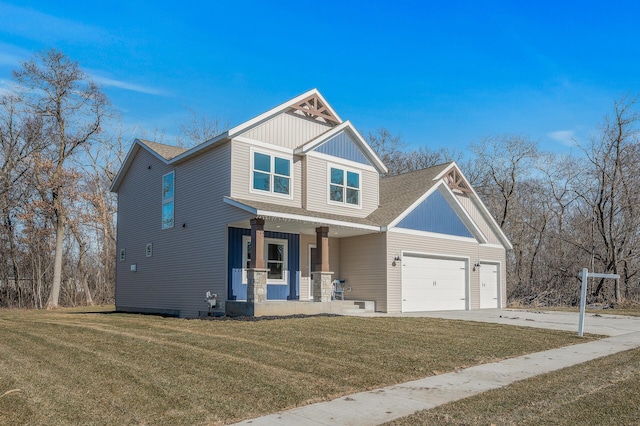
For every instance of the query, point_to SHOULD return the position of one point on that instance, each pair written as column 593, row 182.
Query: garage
column 433, row 284
column 489, row 286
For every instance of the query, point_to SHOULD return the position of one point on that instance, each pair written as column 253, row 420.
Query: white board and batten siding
column 287, row 130
column 478, row 217
column 198, row 238
column 317, row 189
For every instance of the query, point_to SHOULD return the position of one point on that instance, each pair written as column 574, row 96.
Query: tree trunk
column 54, row 296
column 87, row 292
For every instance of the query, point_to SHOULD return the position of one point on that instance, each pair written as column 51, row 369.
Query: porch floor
column 295, row 307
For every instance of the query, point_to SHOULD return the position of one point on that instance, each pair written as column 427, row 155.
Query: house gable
column 343, row 146
column 435, row 214
column 459, row 184
column 345, row 142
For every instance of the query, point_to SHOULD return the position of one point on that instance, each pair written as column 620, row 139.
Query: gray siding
column 317, row 187
column 363, row 263
column 477, row 216
column 242, row 175
column 187, row 261
column 288, row 130
column 397, row 242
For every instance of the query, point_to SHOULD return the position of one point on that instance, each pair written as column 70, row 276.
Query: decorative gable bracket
column 456, row 181
column 313, row 107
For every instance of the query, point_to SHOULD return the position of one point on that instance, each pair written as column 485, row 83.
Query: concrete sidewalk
column 389, row 403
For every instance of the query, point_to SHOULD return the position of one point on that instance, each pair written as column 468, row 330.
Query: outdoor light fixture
column 396, row 259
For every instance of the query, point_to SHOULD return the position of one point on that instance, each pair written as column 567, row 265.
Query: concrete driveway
column 389, row 403
column 608, row 325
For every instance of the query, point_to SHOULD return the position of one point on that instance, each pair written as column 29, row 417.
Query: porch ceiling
column 290, row 226
column 279, row 218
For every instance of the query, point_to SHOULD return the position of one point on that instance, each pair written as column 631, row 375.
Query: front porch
column 285, row 308
column 283, row 267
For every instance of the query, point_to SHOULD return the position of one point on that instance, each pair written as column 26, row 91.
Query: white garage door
column 430, row 284
column 488, row 286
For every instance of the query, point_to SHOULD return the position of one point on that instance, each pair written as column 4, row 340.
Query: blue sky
column 442, row 74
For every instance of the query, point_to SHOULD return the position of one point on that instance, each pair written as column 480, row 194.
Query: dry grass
column 75, row 367
column 601, row 392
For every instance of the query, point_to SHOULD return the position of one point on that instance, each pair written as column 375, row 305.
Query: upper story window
column 271, row 174
column 344, row 186
column 168, row 190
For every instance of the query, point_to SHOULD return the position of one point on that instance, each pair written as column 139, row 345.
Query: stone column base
column 322, row 286
column 256, row 285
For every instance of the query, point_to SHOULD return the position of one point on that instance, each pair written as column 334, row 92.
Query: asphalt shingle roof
column 398, row 193
column 278, row 208
column 165, row 151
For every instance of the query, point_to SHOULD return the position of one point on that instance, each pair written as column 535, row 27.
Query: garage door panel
column 430, row 284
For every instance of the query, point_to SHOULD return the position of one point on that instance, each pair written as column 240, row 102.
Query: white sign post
column 583, row 294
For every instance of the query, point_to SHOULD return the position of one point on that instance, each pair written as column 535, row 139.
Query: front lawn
column 81, row 367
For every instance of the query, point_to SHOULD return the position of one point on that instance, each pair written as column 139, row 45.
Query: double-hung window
column 271, row 174
column 344, row 186
column 168, row 192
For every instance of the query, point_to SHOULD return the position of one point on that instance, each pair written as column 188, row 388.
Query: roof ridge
column 418, row 170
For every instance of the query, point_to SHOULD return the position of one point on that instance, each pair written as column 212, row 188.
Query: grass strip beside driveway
column 69, row 367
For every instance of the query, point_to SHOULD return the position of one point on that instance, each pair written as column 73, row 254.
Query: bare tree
column 504, row 161
column 199, row 128
column 613, row 197
column 72, row 109
column 393, row 153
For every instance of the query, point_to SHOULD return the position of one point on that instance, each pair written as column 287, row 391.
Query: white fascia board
column 298, row 217
column 274, row 111
column 324, row 102
column 495, row 246
column 265, row 145
column 318, row 220
column 239, row 205
column 342, row 161
column 463, row 213
column 484, row 210
column 135, row 146
column 197, row 148
column 319, row 140
column 455, row 205
column 347, row 125
column 372, row 155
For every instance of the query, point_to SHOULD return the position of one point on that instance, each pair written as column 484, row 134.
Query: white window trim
column 169, row 200
column 273, row 155
column 344, row 170
column 285, row 264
